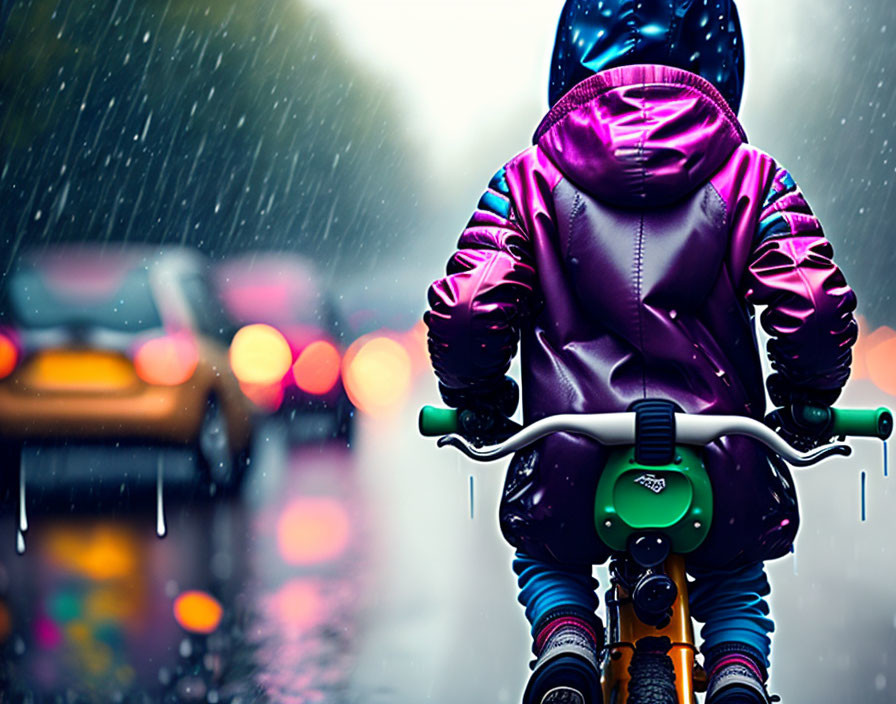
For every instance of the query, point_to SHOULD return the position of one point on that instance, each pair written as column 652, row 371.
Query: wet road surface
column 372, row 575
column 90, row 611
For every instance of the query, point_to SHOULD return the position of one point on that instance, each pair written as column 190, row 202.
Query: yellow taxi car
column 117, row 346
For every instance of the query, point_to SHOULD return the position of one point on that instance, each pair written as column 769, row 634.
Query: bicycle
column 653, row 506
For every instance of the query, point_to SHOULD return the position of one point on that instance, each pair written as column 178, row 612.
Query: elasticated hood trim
column 595, row 85
column 640, row 136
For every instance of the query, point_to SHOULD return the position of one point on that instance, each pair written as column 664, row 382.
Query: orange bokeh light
column 168, row 360
column 259, row 354
column 859, row 369
column 317, row 368
column 868, row 339
column 9, row 356
column 376, row 372
column 416, row 343
column 197, row 612
column 879, row 362
column 312, row 530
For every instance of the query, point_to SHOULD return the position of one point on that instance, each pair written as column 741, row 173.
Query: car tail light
column 259, row 354
column 9, row 355
column 268, row 397
column 317, row 368
column 376, row 373
column 168, row 360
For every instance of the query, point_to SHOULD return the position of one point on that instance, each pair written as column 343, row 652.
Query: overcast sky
column 463, row 69
column 472, row 75
column 471, row 82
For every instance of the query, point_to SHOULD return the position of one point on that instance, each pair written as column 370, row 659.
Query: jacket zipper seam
column 639, row 268
column 640, row 254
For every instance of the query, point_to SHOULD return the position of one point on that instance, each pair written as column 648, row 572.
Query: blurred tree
column 830, row 117
column 227, row 125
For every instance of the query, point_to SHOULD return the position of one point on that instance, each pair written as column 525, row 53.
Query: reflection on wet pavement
column 247, row 600
column 309, row 575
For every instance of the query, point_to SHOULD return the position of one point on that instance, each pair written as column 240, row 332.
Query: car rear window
column 276, row 304
column 122, row 302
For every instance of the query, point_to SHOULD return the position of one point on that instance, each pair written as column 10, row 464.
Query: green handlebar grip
column 877, row 423
column 435, row 422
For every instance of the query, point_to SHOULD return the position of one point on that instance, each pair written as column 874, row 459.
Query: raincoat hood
column 640, row 136
column 703, row 37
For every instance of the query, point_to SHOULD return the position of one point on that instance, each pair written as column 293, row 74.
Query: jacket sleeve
column 474, row 312
column 808, row 303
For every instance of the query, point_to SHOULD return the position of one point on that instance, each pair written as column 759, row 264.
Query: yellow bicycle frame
column 626, row 629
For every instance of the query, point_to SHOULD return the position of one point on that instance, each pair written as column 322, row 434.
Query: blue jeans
column 730, row 603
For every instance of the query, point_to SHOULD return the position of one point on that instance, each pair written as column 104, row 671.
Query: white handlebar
column 619, row 429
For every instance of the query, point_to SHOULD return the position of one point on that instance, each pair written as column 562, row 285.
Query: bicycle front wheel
column 652, row 673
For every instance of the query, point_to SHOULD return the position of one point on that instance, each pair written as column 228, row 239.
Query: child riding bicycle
column 625, row 252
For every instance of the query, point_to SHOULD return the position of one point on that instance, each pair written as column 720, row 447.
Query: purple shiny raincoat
column 626, row 250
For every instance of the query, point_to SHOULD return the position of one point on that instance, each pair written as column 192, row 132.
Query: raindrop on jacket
column 624, row 252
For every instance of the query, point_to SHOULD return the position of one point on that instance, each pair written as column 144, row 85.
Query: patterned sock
column 566, row 631
column 735, row 653
column 566, row 670
column 565, row 627
column 736, row 674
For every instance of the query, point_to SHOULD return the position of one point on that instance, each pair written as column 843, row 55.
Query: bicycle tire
column 652, row 673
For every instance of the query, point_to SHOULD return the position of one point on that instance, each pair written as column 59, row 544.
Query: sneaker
column 563, row 695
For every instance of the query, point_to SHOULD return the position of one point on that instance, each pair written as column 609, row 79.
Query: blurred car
column 288, row 353
column 388, row 355
column 120, row 346
column 388, row 301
